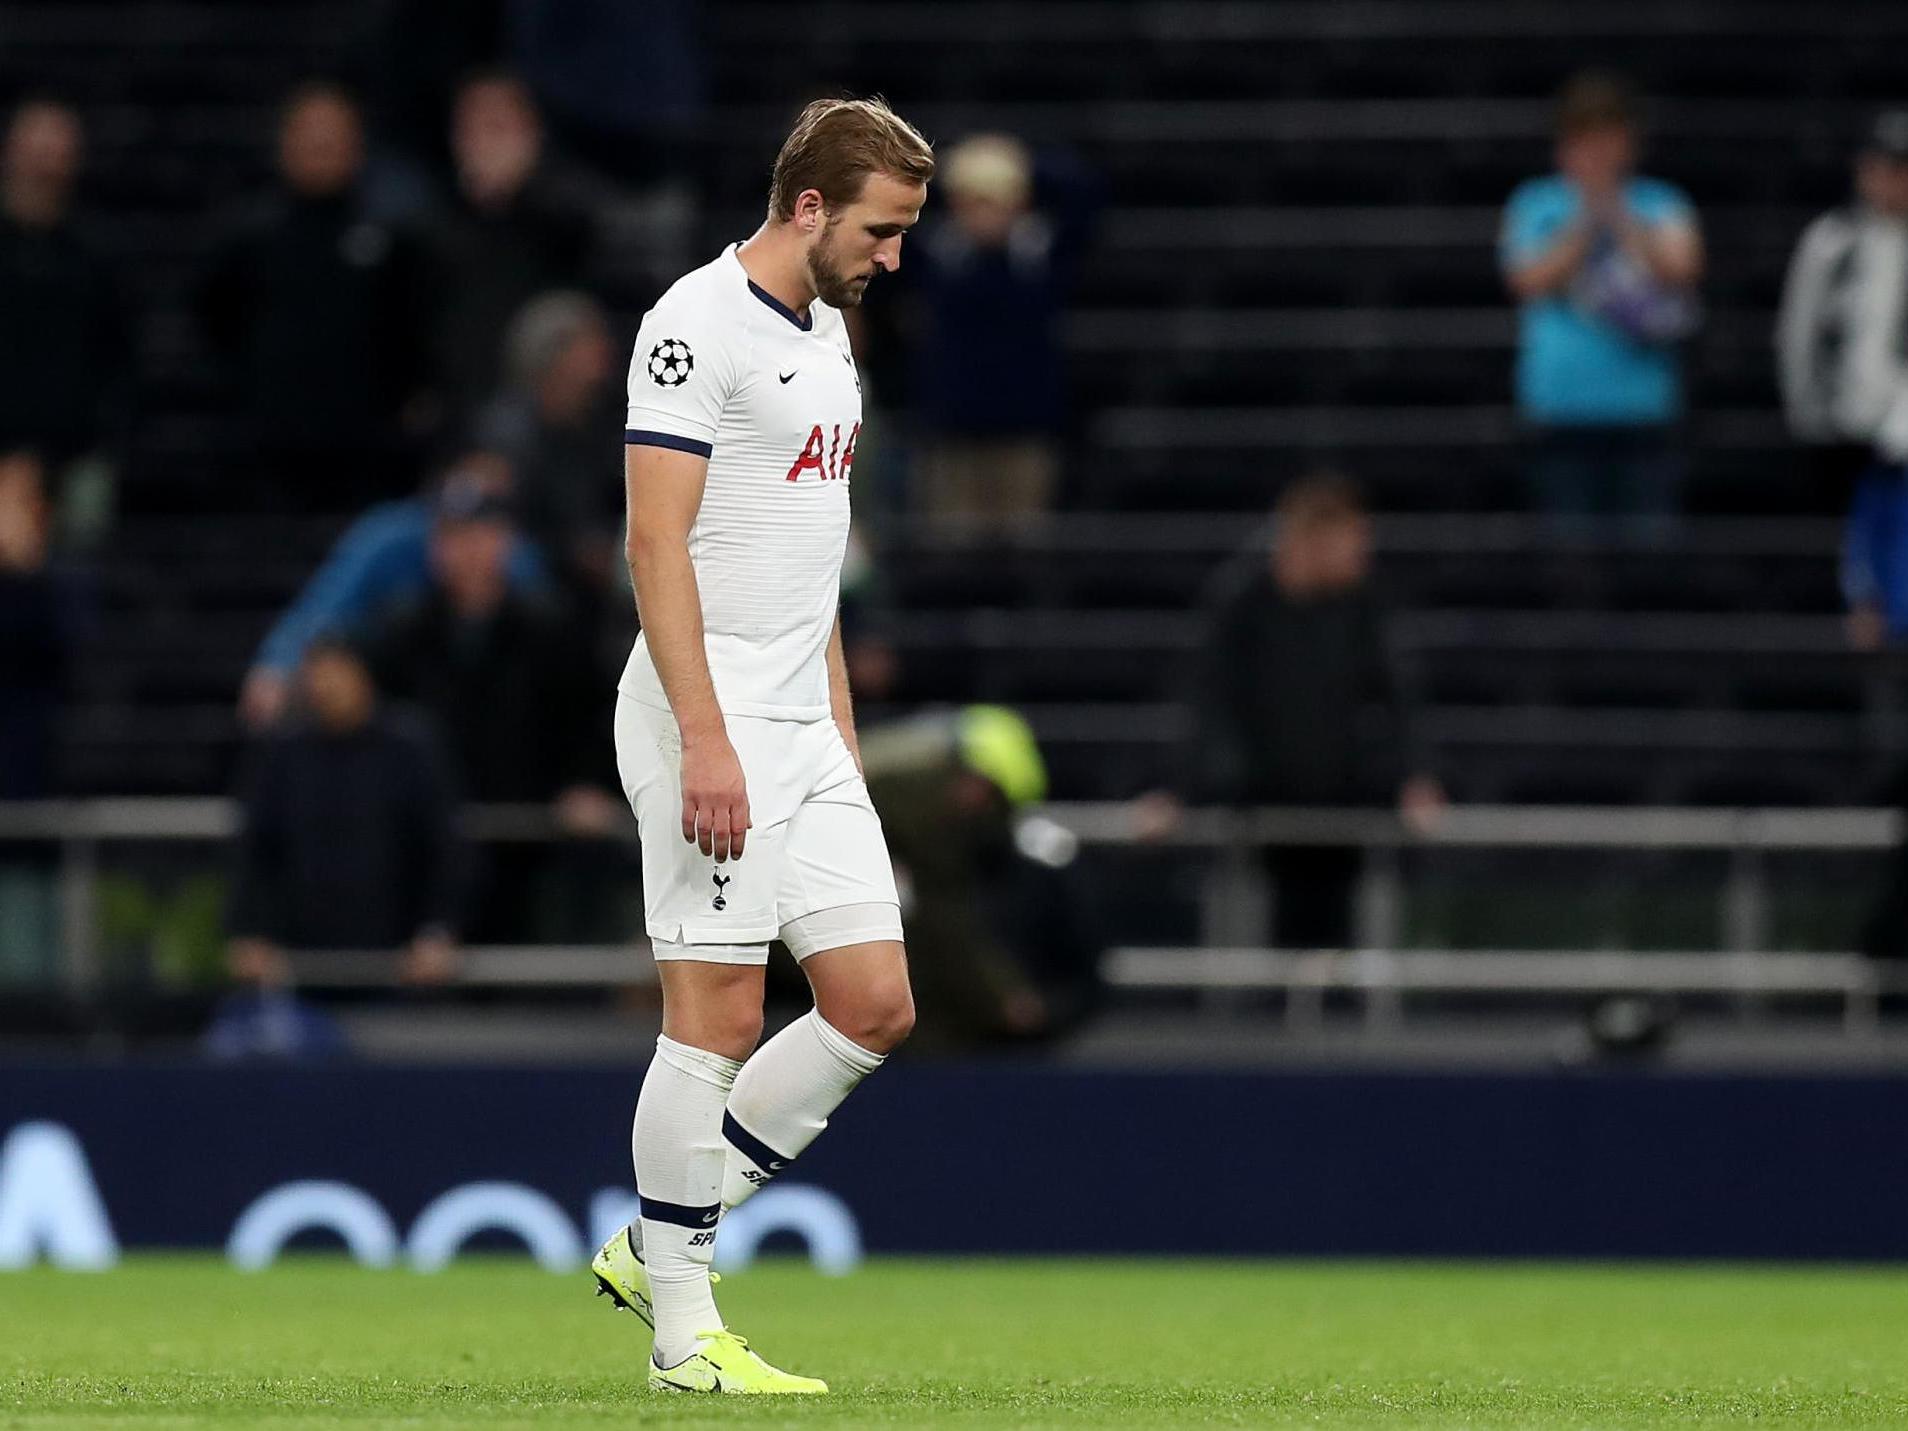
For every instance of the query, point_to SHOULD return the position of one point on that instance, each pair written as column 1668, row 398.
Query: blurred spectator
column 868, row 651
column 511, row 233
column 1605, row 265
column 559, row 425
column 1884, row 932
column 513, row 694
column 319, row 311
column 998, row 939
column 382, row 557
column 623, row 83
column 39, row 626
column 65, row 337
column 410, row 57
column 1298, row 700
column 349, row 837
column 1844, row 311
column 1844, row 370
column 994, row 274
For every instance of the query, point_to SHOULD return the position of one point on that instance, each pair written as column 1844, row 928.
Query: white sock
column 782, row 1099
column 678, row 1148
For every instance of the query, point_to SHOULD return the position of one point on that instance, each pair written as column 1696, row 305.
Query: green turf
column 188, row 1342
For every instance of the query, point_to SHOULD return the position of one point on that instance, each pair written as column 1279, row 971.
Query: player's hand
column 715, row 799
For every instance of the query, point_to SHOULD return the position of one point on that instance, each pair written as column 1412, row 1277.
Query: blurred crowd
column 418, row 324
column 421, row 321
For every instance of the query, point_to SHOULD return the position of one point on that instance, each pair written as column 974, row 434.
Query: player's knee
column 728, row 1031
column 884, row 1019
column 740, row 1031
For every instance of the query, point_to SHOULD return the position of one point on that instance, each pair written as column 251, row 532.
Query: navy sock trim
column 655, row 1210
column 752, row 1147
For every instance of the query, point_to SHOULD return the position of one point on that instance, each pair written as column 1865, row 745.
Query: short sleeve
column 1663, row 205
column 1532, row 220
column 680, row 375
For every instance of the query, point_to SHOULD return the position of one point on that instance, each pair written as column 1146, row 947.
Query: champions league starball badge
column 670, row 363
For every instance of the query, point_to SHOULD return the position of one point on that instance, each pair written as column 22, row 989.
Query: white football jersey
column 724, row 370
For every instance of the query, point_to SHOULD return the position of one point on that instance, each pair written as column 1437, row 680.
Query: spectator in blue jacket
column 1875, row 559
column 995, row 274
column 1604, row 264
column 382, row 558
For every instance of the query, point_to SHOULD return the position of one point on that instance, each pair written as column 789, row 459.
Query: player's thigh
column 695, row 907
column 713, row 1006
column 841, row 912
column 835, row 858
column 862, row 990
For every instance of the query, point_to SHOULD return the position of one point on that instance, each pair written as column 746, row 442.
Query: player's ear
column 810, row 210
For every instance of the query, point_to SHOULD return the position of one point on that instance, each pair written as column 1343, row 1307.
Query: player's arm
column 840, row 701
column 664, row 491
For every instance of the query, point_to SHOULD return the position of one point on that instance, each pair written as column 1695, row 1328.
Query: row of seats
column 1296, row 261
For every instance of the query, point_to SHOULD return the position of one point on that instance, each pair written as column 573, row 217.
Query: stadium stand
column 1286, row 273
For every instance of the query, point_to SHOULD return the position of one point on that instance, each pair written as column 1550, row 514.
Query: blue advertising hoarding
column 997, row 1158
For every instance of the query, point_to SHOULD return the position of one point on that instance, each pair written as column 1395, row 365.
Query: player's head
column 338, row 688
column 850, row 180
column 1322, row 537
column 1597, row 130
column 320, row 140
column 43, row 147
column 1881, row 169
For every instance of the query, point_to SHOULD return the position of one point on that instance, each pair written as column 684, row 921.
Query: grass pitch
column 176, row 1342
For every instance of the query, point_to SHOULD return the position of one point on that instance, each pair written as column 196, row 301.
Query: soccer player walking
column 735, row 733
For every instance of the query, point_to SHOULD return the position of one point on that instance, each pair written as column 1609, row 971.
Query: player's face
column 863, row 238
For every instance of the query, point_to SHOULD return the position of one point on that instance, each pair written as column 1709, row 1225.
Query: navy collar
column 805, row 324
column 782, row 308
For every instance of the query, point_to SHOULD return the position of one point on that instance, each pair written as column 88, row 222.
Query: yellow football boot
column 723, row 1362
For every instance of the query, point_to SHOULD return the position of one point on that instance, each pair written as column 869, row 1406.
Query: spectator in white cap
column 995, row 274
column 1844, row 370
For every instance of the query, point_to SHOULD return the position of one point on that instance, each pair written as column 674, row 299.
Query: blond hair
column 836, row 144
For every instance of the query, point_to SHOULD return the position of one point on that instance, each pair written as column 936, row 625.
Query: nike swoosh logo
column 788, row 377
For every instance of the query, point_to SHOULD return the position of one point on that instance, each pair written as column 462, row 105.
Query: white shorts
column 814, row 870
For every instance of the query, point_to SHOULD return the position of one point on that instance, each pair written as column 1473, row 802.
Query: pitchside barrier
column 1233, row 900
column 413, row 1166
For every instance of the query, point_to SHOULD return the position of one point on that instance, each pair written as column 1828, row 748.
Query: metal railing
column 1381, row 978
column 1233, row 903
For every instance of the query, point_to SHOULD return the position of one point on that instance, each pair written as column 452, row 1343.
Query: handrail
column 1110, row 822
column 1382, row 977
column 80, row 828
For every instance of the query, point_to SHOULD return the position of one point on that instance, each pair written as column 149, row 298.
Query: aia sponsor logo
column 825, row 455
